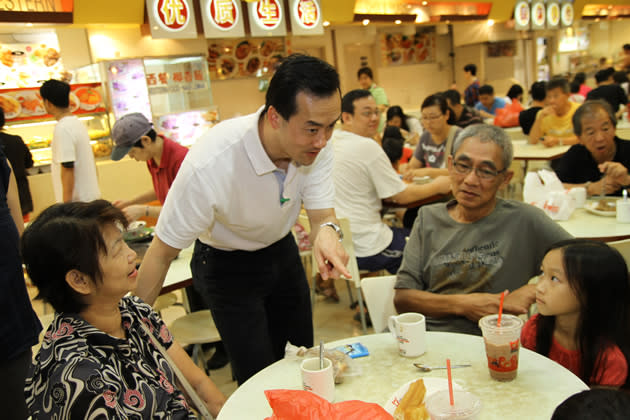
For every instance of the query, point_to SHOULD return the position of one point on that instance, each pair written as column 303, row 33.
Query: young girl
column 583, row 298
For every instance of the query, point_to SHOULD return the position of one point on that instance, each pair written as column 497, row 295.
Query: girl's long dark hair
column 598, row 275
column 396, row 111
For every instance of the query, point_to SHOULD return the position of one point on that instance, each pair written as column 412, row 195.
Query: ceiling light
column 398, row 21
column 424, row 3
column 326, row 23
column 29, row 24
column 490, row 22
column 366, row 22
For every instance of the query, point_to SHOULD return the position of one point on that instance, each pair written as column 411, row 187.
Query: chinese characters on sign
column 222, row 19
column 306, row 17
column 267, row 18
column 171, row 19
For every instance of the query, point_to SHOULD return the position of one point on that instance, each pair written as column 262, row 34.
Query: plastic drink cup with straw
column 453, row 405
column 502, row 337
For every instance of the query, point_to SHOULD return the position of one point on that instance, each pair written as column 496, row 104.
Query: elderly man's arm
column 153, row 269
column 330, row 255
column 472, row 306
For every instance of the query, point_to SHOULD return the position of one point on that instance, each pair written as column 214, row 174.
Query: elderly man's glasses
column 486, row 174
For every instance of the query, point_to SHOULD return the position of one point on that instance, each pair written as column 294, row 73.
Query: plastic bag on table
column 544, row 190
column 304, row 405
column 508, row 115
column 343, row 365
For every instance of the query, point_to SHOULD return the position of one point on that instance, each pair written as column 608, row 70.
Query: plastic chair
column 379, row 298
column 164, row 301
column 196, row 328
column 623, row 247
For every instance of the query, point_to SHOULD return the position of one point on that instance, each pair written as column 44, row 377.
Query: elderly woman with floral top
column 96, row 359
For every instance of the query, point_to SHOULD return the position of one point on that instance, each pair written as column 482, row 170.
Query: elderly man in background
column 600, row 162
column 463, row 254
column 553, row 123
column 237, row 195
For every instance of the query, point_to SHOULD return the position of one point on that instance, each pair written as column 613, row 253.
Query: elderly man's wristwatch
column 335, row 227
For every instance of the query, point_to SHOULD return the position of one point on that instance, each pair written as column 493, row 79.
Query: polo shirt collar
column 256, row 153
column 166, row 155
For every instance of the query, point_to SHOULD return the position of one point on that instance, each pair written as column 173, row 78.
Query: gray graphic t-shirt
column 501, row 251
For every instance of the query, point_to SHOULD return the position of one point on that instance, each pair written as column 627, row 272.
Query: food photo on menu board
column 27, row 65
column 27, row 104
column 418, row 48
column 230, row 59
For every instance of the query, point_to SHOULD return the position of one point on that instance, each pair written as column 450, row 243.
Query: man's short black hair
column 514, row 91
column 604, row 74
column 486, row 90
column 1, row 118
column 453, row 96
column 539, row 90
column 56, row 92
column 559, row 82
column 367, row 71
column 471, row 68
column 580, row 77
column 626, row 47
column 393, row 148
column 347, row 102
column 575, row 86
column 300, row 73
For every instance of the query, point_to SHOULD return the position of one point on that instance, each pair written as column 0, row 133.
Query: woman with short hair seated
column 97, row 359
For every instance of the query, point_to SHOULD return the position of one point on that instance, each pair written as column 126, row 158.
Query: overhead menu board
column 172, row 19
column 566, row 14
column 222, row 19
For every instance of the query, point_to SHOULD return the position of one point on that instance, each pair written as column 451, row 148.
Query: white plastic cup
column 579, row 195
column 316, row 380
column 409, row 329
column 623, row 211
column 502, row 345
column 466, row 406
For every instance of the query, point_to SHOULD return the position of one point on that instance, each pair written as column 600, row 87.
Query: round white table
column 585, row 225
column 540, row 386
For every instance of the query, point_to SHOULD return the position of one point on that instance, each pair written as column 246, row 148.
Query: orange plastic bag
column 508, row 116
column 304, row 405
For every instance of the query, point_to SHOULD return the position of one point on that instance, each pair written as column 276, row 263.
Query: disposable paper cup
column 579, row 195
column 502, row 345
column 316, row 380
column 466, row 406
column 409, row 329
column 623, row 211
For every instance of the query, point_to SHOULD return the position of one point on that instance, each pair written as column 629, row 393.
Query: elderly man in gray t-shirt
column 461, row 255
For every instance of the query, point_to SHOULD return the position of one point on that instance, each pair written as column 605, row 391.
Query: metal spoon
column 426, row 368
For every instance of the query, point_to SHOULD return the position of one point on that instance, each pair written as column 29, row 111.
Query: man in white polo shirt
column 238, row 192
column 363, row 177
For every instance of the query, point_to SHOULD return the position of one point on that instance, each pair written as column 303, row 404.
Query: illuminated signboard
column 522, row 16
column 54, row 11
column 553, row 15
column 306, row 17
column 267, row 18
column 172, row 19
column 222, row 19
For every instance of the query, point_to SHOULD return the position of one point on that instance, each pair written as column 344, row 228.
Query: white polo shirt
column 227, row 192
column 363, row 176
column 71, row 143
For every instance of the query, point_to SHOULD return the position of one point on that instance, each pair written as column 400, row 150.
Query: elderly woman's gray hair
column 590, row 108
column 488, row 133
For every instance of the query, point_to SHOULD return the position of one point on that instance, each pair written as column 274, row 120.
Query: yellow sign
column 50, row 6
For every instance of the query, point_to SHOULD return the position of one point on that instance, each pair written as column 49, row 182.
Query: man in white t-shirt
column 238, row 193
column 363, row 177
column 73, row 169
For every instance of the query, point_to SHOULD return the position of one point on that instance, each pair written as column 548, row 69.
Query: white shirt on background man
column 71, row 143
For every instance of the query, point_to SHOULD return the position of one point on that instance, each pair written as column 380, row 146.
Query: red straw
column 500, row 309
column 450, row 381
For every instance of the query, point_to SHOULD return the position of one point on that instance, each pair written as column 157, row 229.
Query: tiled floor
column 332, row 321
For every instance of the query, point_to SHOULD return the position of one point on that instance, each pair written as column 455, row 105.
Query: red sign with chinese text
column 308, row 13
column 172, row 14
column 269, row 13
column 224, row 13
